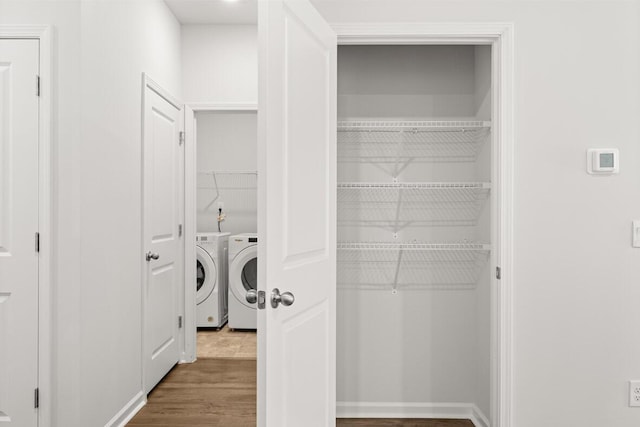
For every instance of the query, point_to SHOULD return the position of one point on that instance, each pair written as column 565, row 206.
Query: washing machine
column 243, row 275
column 212, row 259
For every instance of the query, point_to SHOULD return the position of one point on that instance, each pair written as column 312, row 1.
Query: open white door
column 162, row 236
column 19, row 174
column 296, row 216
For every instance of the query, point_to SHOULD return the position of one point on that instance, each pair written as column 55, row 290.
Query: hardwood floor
column 209, row 392
column 221, row 392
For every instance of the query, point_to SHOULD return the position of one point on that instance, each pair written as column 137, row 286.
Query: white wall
column 434, row 82
column 220, row 63
column 120, row 40
column 102, row 47
column 576, row 287
column 227, row 142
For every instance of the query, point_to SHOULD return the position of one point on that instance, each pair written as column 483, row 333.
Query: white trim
column 189, row 354
column 190, row 220
column 221, row 106
column 45, row 34
column 503, row 330
column 151, row 84
column 500, row 37
column 128, row 411
column 419, row 33
column 478, row 418
column 444, row 410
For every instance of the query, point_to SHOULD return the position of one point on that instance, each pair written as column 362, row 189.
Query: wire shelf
column 403, row 142
column 398, row 205
column 395, row 266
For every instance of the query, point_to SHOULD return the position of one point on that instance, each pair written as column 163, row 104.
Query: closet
column 415, row 231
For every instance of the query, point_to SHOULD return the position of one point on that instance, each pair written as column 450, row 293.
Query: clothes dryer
column 243, row 275
column 212, row 279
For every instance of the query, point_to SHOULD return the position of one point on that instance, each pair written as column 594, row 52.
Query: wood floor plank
column 209, row 392
column 222, row 393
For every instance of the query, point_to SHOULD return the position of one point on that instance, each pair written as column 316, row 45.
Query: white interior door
column 18, row 225
column 297, row 214
column 162, row 258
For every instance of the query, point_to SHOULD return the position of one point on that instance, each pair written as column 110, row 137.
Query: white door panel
column 162, row 210
column 18, row 225
column 297, row 179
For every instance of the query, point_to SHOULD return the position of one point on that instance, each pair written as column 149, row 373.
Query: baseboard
column 478, row 418
column 412, row 410
column 129, row 411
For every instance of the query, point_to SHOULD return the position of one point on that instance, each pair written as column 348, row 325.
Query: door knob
column 150, row 255
column 286, row 298
column 252, row 296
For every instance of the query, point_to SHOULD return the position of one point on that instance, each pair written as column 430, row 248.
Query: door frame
column 149, row 83
column 43, row 33
column 191, row 215
column 500, row 37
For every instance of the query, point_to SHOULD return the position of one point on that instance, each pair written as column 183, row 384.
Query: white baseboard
column 467, row 411
column 129, row 411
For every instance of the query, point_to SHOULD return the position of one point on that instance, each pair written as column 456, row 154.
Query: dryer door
column 243, row 274
column 206, row 275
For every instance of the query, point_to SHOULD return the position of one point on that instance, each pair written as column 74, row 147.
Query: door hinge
column 181, row 141
column 37, row 85
column 179, row 230
column 179, row 322
column 36, row 398
column 37, row 242
column 498, row 273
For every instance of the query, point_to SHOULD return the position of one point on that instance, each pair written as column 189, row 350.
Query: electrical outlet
column 634, row 393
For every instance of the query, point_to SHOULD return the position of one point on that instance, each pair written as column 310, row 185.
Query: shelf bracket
column 398, row 210
column 395, row 279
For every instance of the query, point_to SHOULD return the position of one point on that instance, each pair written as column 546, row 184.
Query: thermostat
column 603, row 161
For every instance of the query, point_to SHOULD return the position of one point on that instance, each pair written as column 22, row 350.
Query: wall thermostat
column 603, row 161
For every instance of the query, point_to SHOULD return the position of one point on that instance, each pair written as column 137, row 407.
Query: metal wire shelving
column 395, row 144
column 398, row 205
column 394, row 266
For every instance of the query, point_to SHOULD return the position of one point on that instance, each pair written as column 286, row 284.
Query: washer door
column 206, row 274
column 243, row 274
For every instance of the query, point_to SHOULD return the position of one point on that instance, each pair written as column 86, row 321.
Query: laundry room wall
column 576, row 276
column 227, row 148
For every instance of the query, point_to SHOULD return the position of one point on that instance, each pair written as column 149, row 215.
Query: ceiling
column 214, row 11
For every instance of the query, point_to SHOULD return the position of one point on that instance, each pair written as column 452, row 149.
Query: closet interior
column 415, row 230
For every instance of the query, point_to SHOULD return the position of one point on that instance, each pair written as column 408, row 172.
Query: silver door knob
column 150, row 255
column 286, row 298
column 251, row 296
